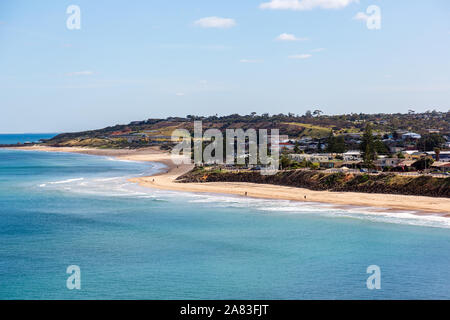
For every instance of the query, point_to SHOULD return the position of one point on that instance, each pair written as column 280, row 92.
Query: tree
column 422, row 164
column 430, row 142
column 367, row 147
column 335, row 144
column 437, row 151
column 317, row 112
column 285, row 162
column 380, row 147
column 308, row 114
column 314, row 166
column 319, row 146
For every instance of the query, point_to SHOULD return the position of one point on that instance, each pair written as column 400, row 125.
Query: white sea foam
column 283, row 207
column 118, row 186
column 122, row 160
column 108, row 179
column 66, row 181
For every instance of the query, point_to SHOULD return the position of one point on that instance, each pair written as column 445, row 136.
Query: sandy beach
column 166, row 181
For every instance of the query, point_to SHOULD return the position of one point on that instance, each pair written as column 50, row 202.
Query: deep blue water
column 130, row 242
column 23, row 138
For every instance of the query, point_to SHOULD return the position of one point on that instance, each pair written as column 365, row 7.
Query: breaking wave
column 119, row 186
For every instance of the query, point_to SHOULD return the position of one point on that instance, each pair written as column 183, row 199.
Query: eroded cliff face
column 314, row 180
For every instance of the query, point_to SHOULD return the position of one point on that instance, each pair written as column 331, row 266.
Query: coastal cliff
column 342, row 182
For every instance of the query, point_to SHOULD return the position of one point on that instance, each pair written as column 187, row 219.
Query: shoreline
column 166, row 181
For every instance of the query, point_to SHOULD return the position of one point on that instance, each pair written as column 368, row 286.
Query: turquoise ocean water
column 14, row 138
column 130, row 242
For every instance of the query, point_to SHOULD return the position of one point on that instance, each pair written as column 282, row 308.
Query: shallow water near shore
column 60, row 209
column 13, row 138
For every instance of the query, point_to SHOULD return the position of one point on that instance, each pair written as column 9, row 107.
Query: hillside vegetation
column 316, row 126
column 320, row 181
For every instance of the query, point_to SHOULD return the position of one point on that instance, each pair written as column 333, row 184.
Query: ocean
column 14, row 138
column 130, row 242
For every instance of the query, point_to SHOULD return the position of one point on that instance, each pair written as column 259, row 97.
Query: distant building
column 406, row 163
column 413, row 154
column 317, row 157
column 411, row 135
column 396, row 149
column 281, row 138
column 441, row 166
column 304, row 140
column 387, row 162
column 352, row 155
column 286, row 146
column 135, row 123
column 444, row 156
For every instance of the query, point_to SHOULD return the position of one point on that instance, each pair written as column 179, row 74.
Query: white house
column 352, row 155
column 411, row 135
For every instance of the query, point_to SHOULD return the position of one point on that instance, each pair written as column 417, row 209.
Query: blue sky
column 133, row 60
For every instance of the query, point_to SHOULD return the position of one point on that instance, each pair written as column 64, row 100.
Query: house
column 406, row 163
column 352, row 135
column 413, row 154
column 444, row 156
column 305, row 140
column 387, row 162
column 318, row 158
column 411, row 136
column 352, row 155
column 120, row 133
column 286, row 146
column 336, row 164
column 441, row 166
column 312, row 145
column 395, row 149
column 281, row 138
column 329, row 164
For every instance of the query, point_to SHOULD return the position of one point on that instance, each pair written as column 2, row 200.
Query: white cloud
column 301, row 5
column 215, row 22
column 289, row 37
column 179, row 94
column 361, row 16
column 300, row 56
column 250, row 61
column 80, row 73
